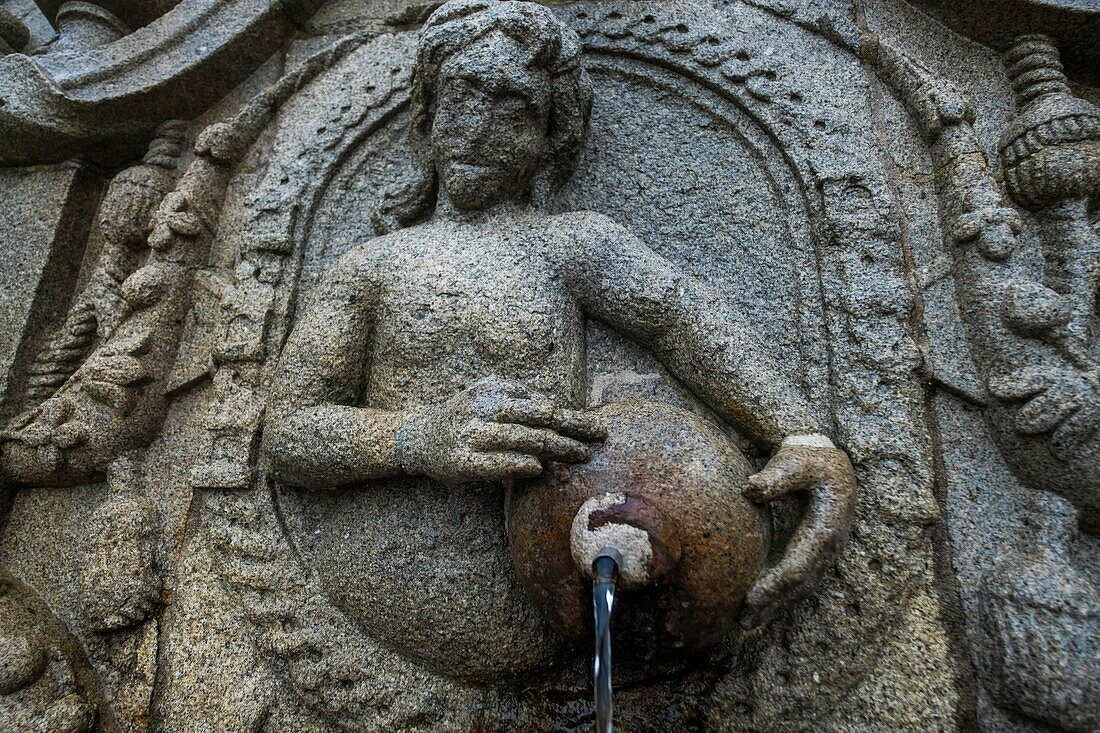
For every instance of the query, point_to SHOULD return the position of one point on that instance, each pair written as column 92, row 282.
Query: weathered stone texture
column 337, row 337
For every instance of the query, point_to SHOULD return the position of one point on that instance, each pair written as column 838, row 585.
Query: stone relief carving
column 355, row 384
column 100, row 101
column 122, row 585
column 251, row 549
column 125, row 220
column 498, row 427
column 1043, row 622
column 114, row 400
column 1033, row 331
column 1035, row 337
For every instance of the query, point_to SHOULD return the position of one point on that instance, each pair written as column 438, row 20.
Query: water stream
column 606, row 569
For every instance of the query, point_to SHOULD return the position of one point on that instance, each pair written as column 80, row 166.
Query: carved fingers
column 541, row 442
column 1062, row 402
column 493, row 430
column 486, row 466
column 826, row 474
column 439, row 444
column 542, row 413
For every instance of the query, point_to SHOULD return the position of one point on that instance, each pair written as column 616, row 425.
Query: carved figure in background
column 115, row 399
column 1034, row 337
column 1033, row 333
column 125, row 221
column 1051, row 159
column 103, row 386
column 442, row 359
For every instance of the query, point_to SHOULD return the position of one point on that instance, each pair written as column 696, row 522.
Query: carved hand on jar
column 496, row 429
column 812, row 465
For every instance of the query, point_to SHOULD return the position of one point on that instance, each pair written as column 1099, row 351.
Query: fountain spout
column 665, row 491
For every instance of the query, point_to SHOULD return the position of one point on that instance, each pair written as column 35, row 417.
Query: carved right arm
column 714, row 350
column 492, row 430
column 711, row 347
column 313, row 436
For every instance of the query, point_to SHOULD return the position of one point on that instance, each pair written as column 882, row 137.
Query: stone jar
column 666, row 489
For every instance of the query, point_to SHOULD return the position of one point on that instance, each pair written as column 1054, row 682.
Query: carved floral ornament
column 124, row 355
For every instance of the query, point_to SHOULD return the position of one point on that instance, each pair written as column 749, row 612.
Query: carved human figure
column 1033, row 333
column 442, row 359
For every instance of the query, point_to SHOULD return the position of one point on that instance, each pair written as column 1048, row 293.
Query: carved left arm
column 712, row 348
column 705, row 342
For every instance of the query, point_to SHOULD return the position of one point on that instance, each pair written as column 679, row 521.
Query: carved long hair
column 550, row 47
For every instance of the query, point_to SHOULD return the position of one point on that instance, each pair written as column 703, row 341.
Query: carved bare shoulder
column 357, row 273
column 587, row 238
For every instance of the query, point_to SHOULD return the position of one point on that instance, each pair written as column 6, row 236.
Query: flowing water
column 603, row 600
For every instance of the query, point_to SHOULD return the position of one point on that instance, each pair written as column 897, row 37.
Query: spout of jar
column 647, row 544
column 605, row 568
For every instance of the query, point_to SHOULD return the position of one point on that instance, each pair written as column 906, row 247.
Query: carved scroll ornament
column 105, row 101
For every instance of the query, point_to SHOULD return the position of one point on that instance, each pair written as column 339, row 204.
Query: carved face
column 488, row 132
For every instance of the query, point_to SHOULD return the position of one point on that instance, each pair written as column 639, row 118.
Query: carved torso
column 457, row 302
column 451, row 303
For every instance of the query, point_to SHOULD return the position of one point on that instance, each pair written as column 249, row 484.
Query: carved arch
column 846, row 207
